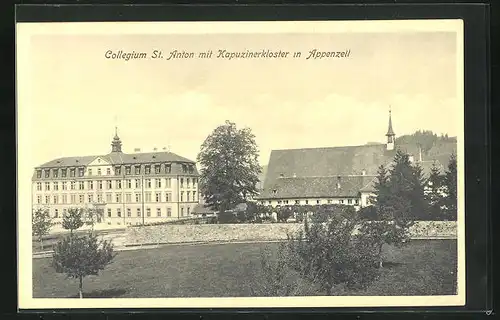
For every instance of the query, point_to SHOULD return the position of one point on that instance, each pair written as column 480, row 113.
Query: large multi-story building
column 342, row 175
column 129, row 188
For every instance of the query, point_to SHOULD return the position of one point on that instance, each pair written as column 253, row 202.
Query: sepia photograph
column 221, row 164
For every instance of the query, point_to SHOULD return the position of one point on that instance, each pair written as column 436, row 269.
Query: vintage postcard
column 221, row 164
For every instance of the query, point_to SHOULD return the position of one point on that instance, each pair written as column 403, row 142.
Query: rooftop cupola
column 116, row 145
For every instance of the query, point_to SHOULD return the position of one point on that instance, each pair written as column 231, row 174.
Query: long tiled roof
column 117, row 158
column 316, row 187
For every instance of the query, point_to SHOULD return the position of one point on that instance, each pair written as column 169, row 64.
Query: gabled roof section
column 99, row 161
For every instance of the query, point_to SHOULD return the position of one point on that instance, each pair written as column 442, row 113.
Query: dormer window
column 39, row 174
column 184, row 168
column 137, row 169
column 191, row 169
column 80, row 172
column 168, row 168
column 118, row 171
column 71, row 172
column 128, row 170
column 89, row 171
column 275, row 191
column 147, row 169
column 47, row 173
column 55, row 173
column 63, row 173
column 108, row 172
column 157, row 168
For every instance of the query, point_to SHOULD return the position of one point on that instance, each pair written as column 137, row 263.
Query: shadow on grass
column 109, row 293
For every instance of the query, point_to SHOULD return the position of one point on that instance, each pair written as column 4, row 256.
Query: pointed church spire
column 390, row 133
column 116, row 145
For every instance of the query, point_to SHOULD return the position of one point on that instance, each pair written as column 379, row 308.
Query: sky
column 77, row 96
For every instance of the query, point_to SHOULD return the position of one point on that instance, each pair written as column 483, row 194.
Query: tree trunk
column 380, row 255
column 41, row 243
column 80, row 288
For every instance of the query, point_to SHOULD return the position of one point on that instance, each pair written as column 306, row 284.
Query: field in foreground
column 423, row 267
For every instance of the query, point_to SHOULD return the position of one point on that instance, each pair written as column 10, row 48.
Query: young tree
column 73, row 219
column 93, row 215
column 434, row 194
column 450, row 183
column 230, row 169
column 81, row 256
column 41, row 224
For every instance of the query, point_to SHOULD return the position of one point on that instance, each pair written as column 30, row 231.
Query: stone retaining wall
column 255, row 232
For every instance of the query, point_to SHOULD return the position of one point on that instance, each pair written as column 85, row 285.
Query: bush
column 278, row 279
column 368, row 213
column 227, row 217
column 329, row 255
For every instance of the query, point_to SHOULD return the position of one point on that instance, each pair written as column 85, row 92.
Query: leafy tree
column 230, row 169
column 393, row 203
column 284, row 213
column 81, row 256
column 418, row 200
column 434, row 193
column 450, row 183
column 73, row 219
column 41, row 224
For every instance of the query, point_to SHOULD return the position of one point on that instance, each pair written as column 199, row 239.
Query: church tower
column 116, row 145
column 390, row 134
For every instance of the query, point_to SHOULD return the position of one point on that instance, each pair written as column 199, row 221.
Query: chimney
column 164, row 149
column 155, row 149
column 137, row 150
column 363, row 172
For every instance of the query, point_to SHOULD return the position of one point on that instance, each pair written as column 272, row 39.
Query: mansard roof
column 116, row 158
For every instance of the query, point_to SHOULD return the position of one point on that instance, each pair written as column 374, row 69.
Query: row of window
column 118, row 184
column 329, row 201
column 189, row 196
column 138, row 212
column 137, row 169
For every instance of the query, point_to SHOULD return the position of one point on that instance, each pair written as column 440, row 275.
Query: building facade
column 335, row 175
column 130, row 189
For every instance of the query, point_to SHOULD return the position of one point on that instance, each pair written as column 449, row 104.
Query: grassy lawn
column 424, row 267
